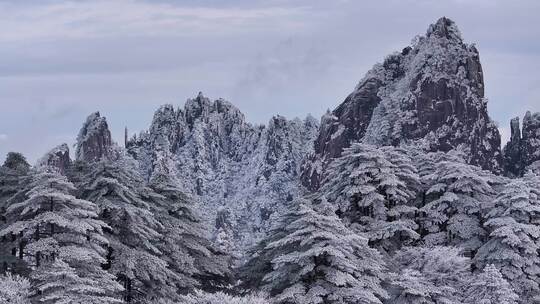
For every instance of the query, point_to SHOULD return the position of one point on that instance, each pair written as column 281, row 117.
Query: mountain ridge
column 431, row 94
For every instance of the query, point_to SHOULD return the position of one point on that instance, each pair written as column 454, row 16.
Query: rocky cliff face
column 531, row 138
column 240, row 172
column 57, row 158
column 93, row 143
column 430, row 94
column 523, row 149
column 94, row 140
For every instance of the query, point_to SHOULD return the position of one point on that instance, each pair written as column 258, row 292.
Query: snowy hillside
column 241, row 173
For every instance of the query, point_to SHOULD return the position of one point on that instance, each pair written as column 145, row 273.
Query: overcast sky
column 61, row 60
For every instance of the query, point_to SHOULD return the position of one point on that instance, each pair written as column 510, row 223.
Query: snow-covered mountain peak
column 202, row 108
column 197, row 107
column 430, row 93
column 94, row 140
column 444, row 28
column 58, row 158
column 240, row 172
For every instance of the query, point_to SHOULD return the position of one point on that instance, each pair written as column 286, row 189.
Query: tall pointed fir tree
column 374, row 188
column 184, row 242
column 316, row 259
column 259, row 257
column 489, row 287
column 62, row 239
column 12, row 172
column 13, row 175
column 134, row 234
column 450, row 212
column 514, row 236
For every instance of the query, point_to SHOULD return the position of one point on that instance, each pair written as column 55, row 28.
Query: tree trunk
column 52, row 210
column 21, row 246
column 129, row 290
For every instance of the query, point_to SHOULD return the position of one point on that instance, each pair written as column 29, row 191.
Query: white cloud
column 3, row 137
column 126, row 17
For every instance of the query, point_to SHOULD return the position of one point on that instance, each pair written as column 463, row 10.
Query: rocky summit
column 241, row 173
column 94, row 140
column 430, row 94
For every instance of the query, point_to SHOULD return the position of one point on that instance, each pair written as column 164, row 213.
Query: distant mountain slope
column 240, row 172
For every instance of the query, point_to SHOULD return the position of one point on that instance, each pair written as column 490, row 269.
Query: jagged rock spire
column 444, row 28
column 241, row 172
column 523, row 149
column 432, row 93
column 515, row 132
column 57, row 157
column 94, row 140
column 125, row 137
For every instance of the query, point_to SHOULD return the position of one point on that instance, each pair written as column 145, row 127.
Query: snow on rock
column 57, row 157
column 241, row 173
column 531, row 138
column 431, row 93
column 523, row 149
column 94, row 140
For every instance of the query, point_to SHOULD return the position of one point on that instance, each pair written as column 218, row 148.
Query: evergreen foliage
column 14, row 289
column 319, row 260
column 428, row 275
column 451, row 212
column 133, row 255
column 375, row 188
column 489, row 287
column 62, row 239
column 514, row 234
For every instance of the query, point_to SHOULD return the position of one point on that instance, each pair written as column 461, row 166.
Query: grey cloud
column 61, row 60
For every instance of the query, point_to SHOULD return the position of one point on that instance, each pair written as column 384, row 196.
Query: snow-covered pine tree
column 412, row 287
column 224, row 241
column 133, row 256
column 58, row 282
column 451, row 208
column 12, row 173
column 319, row 260
column 16, row 161
column 56, row 228
column 184, row 242
column 13, row 176
column 489, row 287
column 428, row 275
column 14, row 289
column 252, row 272
column 200, row 297
column 426, row 163
column 514, row 236
column 375, row 188
column 402, row 186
